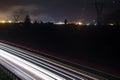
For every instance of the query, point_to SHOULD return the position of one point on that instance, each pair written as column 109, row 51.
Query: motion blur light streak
column 28, row 65
column 40, row 72
column 39, row 62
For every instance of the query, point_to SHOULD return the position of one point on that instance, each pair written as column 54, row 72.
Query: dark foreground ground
column 96, row 44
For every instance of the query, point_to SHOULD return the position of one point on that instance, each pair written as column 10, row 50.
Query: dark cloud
column 53, row 9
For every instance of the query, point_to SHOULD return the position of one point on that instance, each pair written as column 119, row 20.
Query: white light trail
column 41, row 66
column 34, row 69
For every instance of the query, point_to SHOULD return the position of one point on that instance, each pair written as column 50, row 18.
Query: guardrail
column 8, row 74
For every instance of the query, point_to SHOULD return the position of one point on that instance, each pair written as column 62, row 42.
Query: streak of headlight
column 38, row 71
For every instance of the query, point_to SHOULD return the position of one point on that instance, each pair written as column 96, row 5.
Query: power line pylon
column 99, row 8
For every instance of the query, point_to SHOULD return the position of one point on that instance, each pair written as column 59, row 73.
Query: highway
column 28, row 65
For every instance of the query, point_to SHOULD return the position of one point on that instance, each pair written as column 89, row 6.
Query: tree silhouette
column 16, row 18
column 65, row 22
column 27, row 19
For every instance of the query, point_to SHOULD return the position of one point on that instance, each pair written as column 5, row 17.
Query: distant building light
column 95, row 24
column 32, row 22
column 60, row 23
column 3, row 21
column 79, row 23
column 94, row 21
column 9, row 21
column 111, row 24
column 88, row 24
column 20, row 22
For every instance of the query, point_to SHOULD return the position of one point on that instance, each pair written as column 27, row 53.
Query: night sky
column 55, row 10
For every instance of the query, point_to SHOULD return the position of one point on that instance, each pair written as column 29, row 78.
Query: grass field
column 97, row 44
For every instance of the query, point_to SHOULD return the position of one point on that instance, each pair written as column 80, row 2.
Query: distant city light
column 32, row 22
column 60, row 23
column 79, row 23
column 19, row 22
column 2, row 21
column 9, row 21
column 94, row 21
column 95, row 24
column 88, row 24
column 111, row 24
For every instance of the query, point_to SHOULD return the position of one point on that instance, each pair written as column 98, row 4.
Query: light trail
column 39, row 67
column 42, row 63
column 40, row 72
column 46, row 65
